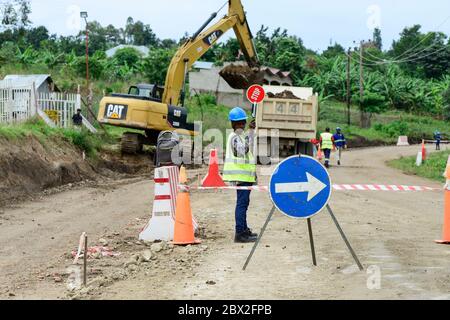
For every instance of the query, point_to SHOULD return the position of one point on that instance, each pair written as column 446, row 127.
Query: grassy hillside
column 83, row 139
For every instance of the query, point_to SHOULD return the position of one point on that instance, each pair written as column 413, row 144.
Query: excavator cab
column 147, row 91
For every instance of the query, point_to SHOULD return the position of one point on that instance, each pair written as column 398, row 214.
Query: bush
column 127, row 57
column 84, row 140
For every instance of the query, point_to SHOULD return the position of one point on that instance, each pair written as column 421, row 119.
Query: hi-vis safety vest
column 239, row 169
column 327, row 140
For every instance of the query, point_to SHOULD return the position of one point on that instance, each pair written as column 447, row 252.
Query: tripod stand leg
column 361, row 268
column 259, row 238
column 311, row 241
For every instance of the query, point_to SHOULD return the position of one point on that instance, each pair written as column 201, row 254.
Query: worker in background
column 438, row 139
column 77, row 119
column 240, row 170
column 340, row 143
column 315, row 145
column 326, row 140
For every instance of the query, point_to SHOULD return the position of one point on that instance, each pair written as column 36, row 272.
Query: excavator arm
column 201, row 42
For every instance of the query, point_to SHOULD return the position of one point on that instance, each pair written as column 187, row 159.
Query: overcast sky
column 317, row 22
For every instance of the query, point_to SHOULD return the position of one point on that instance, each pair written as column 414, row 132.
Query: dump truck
column 293, row 112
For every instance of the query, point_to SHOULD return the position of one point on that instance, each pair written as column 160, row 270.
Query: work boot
column 244, row 238
column 251, row 234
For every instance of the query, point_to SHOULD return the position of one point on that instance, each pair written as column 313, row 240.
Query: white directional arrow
column 313, row 187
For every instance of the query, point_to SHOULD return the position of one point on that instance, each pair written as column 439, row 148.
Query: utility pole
column 361, row 84
column 84, row 15
column 361, row 73
column 348, row 87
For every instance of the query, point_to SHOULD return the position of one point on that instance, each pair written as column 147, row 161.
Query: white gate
column 59, row 107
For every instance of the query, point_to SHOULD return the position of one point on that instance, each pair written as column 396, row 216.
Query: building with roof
column 141, row 49
column 205, row 78
column 43, row 82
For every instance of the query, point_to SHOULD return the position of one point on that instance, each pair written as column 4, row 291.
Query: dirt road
column 392, row 233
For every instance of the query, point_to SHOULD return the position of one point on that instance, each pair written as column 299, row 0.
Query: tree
column 422, row 55
column 35, row 36
column 97, row 37
column 377, row 39
column 143, row 35
column 155, row 66
column 333, row 51
column 127, row 57
column 434, row 59
column 15, row 13
column 113, row 35
column 446, row 96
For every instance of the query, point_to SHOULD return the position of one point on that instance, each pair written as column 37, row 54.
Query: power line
column 426, row 37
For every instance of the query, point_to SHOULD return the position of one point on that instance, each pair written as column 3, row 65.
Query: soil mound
column 283, row 95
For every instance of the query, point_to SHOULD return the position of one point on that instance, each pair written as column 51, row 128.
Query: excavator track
column 132, row 143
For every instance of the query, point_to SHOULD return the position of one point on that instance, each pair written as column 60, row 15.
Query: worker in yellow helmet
column 240, row 170
column 327, row 143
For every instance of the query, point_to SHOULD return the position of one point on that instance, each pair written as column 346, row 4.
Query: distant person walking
column 77, row 119
column 340, row 143
column 438, row 139
column 326, row 140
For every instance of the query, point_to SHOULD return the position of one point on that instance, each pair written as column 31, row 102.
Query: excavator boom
column 201, row 42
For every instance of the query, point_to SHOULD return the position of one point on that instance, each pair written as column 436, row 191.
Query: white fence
column 17, row 104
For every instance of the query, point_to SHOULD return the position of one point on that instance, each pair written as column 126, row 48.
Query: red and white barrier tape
column 378, row 187
column 336, row 187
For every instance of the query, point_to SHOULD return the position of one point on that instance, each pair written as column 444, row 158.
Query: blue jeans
column 243, row 202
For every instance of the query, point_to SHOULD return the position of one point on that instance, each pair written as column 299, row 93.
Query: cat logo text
column 116, row 111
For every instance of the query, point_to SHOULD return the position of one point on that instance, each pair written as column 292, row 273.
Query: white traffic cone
column 161, row 225
column 419, row 160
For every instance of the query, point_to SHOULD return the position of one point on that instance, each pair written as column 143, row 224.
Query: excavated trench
column 28, row 166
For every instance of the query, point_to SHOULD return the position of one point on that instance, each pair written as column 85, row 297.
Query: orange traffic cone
column 184, row 233
column 213, row 179
column 446, row 231
column 424, row 151
column 319, row 154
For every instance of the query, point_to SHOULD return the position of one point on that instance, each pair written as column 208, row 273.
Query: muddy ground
column 392, row 233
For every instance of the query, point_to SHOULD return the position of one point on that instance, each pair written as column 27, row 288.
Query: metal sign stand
column 311, row 239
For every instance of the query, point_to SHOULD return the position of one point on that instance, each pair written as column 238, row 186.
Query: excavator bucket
column 242, row 76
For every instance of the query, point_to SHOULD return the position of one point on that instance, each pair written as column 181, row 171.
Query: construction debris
column 283, row 95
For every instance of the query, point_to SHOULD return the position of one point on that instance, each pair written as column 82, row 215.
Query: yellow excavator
column 153, row 109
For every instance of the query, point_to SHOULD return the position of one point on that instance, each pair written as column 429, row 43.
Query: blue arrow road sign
column 300, row 187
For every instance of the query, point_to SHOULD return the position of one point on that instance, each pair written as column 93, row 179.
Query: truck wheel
column 132, row 143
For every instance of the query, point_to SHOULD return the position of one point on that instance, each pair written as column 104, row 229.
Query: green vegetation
column 433, row 168
column 83, row 139
column 411, row 76
column 406, row 87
